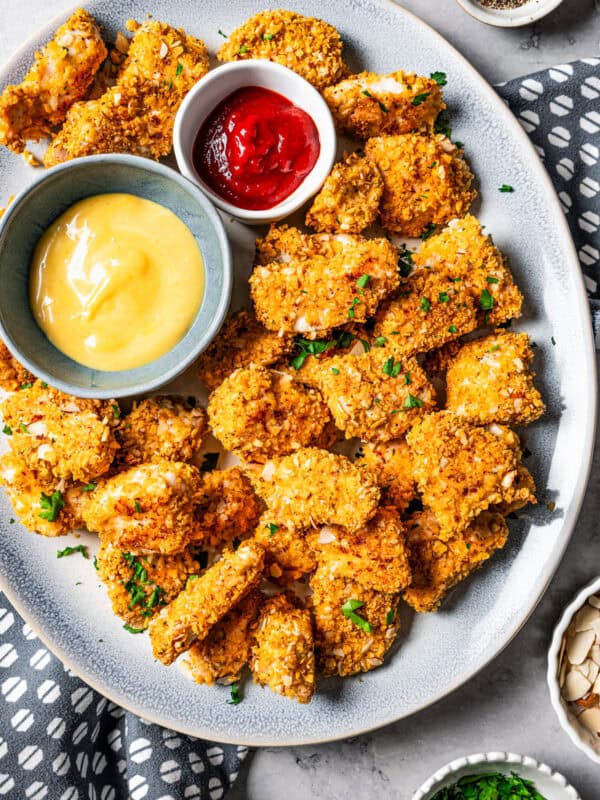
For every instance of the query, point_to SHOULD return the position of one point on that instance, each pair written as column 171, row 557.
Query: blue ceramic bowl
column 56, row 191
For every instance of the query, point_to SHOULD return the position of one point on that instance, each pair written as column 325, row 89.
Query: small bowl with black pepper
column 498, row 775
column 508, row 13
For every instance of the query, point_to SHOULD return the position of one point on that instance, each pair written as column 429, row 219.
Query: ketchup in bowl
column 255, row 148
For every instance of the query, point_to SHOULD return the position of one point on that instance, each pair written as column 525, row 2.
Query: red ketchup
column 256, row 148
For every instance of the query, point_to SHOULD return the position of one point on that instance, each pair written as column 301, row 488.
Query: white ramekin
column 509, row 18
column 580, row 736
column 215, row 87
column 552, row 785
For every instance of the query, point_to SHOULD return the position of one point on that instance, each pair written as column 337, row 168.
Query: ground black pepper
column 502, row 5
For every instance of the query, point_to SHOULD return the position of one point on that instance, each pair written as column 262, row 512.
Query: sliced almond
column 596, row 686
column 595, row 654
column 590, row 718
column 579, row 646
column 583, row 668
column 576, row 686
column 593, row 670
column 585, row 618
column 594, row 601
column 562, row 673
column 596, row 628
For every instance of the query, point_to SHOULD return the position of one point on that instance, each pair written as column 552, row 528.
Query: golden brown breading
column 342, row 647
column 349, row 199
column 490, row 380
column 227, row 508
column 12, row 374
column 313, row 487
column 258, row 413
column 462, row 469
column 373, row 396
column 439, row 563
column 241, row 342
column 309, row 46
column 223, row 654
column 374, row 556
column 314, row 283
column 60, row 76
column 137, row 114
column 435, row 362
column 205, row 601
column 288, row 554
column 139, row 586
column 391, row 466
column 426, row 181
column 283, row 656
column 59, row 436
column 161, row 427
column 369, row 104
column 522, row 493
column 148, row 508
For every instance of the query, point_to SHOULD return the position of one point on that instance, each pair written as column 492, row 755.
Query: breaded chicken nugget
column 222, row 656
column 426, row 181
column 288, row 554
column 148, row 508
column 374, row 556
column 439, row 563
column 313, row 487
column 490, row 380
column 60, row 76
column 137, row 114
column 391, row 466
column 161, row 427
column 318, row 282
column 227, row 508
column 309, row 46
column 283, row 656
column 241, row 342
column 12, row 374
column 461, row 469
column 349, row 199
column 205, row 601
column 369, row 104
column 258, row 413
column 373, row 396
column 354, row 626
column 59, row 436
column 139, row 586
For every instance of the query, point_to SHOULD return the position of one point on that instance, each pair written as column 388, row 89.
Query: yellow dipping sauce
column 116, row 281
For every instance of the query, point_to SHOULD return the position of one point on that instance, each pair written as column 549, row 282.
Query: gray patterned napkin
column 59, row 739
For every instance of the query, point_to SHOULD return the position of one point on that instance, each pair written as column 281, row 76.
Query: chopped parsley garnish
column 89, row 487
column 190, row 578
column 137, row 507
column 351, row 313
column 26, row 385
column 441, row 125
column 381, row 105
column 490, row 786
column 179, row 69
column 23, row 428
column 433, row 164
column 553, row 340
column 452, row 329
column 224, row 35
column 11, row 521
column 272, row 528
column 51, row 505
column 439, row 78
column 380, row 341
column 444, row 297
column 407, row 379
column 390, row 368
column 429, row 230
column 96, row 563
column 349, row 611
column 268, row 36
column 243, row 49
column 390, row 616
column 44, row 385
column 131, row 629
column 209, row 462
column 315, row 347
column 486, row 300
column 425, row 304
column 405, row 263
column 506, row 188
column 6, row 430
column 116, row 410
column 68, row 551
column 363, row 281
column 236, row 695
column 412, row 401
column 491, row 279
column 335, row 370
column 460, row 145
column 420, row 98
column 493, row 348
column 155, row 597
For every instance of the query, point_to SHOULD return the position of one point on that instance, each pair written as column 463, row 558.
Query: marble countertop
column 505, row 707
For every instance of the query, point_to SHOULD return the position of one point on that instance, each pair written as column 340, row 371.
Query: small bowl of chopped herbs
column 496, row 776
column 508, row 13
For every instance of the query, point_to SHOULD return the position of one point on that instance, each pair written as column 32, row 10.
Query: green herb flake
column 179, row 69
column 444, row 297
column 51, row 505
column 506, row 188
column 390, row 368
column 407, row 379
column 490, row 786
column 12, row 521
column 26, row 385
column 420, row 98
column 380, row 341
column 224, row 35
column 363, row 281
column 433, row 164
column 553, row 340
column 486, row 300
column 452, row 329
column 349, row 611
column 138, row 508
column 236, row 695
column 6, row 430
column 441, row 125
column 23, row 428
column 68, row 551
column 116, row 410
column 268, row 37
column 315, row 347
column 390, row 616
column 412, row 401
column 429, row 230
column 439, row 77
column 491, row 279
column 89, row 487
column 493, row 348
column 155, row 597
column 351, row 313
column 425, row 304
column 131, row 629
column 272, row 528
column 335, row 370
column 191, row 578
column 209, row 462
column 96, row 563
column 243, row 49
column 460, row 145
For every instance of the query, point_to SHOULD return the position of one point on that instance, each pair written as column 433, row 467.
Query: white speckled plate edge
column 440, row 652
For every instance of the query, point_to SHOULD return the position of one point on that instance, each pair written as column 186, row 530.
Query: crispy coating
column 342, row 647
column 139, row 586
column 310, row 356
column 462, row 469
column 241, row 342
column 137, row 114
column 59, row 436
column 227, row 508
column 309, row 286
column 374, row 556
column 288, row 554
column 148, row 508
column 205, row 601
column 369, row 104
column 222, row 656
column 523, row 492
column 309, row 46
column 258, row 413
column 491, row 380
column 391, row 466
column 12, row 374
column 349, row 199
column 438, row 563
column 313, row 487
column 373, row 396
column 426, row 181
column 161, row 427
column 436, row 362
column 60, row 76
column 283, row 656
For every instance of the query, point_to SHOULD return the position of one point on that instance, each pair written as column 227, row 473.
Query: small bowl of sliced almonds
column 574, row 670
